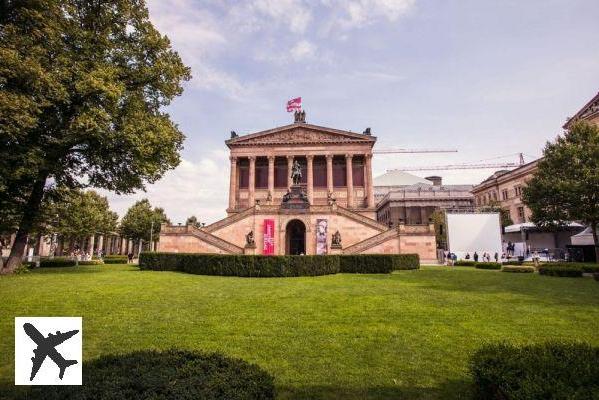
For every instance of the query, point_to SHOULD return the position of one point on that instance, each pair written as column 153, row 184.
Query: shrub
column 543, row 371
column 240, row 265
column 465, row 263
column 405, row 261
column 57, row 262
column 488, row 265
column 556, row 270
column 518, row 268
column 91, row 262
column 115, row 260
column 596, row 276
column 173, row 374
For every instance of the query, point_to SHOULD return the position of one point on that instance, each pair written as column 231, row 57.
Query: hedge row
column 168, row 375
column 91, row 262
column 585, row 267
column 561, row 271
column 488, row 265
column 464, row 263
column 377, row 263
column 543, row 371
column 518, row 268
column 57, row 262
column 115, row 260
column 275, row 266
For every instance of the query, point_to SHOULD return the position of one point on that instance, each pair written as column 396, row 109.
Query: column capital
column 349, row 156
column 270, row 158
column 329, row 156
column 368, row 156
column 252, row 158
column 233, row 158
column 310, row 157
column 290, row 158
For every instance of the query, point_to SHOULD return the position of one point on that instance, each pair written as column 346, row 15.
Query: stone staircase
column 361, row 219
column 370, row 242
column 229, row 220
column 215, row 241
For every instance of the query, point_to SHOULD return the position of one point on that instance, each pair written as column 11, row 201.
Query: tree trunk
column 595, row 241
column 30, row 213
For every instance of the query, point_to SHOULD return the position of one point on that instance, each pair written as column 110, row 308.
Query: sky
column 488, row 78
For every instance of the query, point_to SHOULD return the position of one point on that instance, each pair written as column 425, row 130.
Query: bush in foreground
column 57, row 262
column 518, row 269
column 488, row 265
column 542, row 371
column 275, row 266
column 91, row 262
column 115, row 260
column 165, row 375
column 561, row 271
column 464, row 263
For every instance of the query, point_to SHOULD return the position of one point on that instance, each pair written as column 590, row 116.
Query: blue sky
column 490, row 78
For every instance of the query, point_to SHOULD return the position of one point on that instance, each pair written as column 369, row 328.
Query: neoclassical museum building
column 301, row 189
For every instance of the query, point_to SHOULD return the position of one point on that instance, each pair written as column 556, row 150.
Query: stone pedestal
column 249, row 249
column 335, row 249
column 296, row 198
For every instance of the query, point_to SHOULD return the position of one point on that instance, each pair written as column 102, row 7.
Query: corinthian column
column 368, row 180
column 289, row 166
column 233, row 184
column 271, row 175
column 349, row 176
column 330, row 173
column 310, row 180
column 252, row 183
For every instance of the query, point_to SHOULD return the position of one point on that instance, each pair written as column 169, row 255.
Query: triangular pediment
column 300, row 134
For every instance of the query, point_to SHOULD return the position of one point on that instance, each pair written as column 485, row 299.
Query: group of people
column 486, row 257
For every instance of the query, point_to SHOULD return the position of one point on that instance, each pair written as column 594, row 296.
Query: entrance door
column 295, row 237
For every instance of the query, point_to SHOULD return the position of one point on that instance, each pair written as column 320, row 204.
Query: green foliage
column 551, row 370
column 566, row 185
column 488, row 265
column 83, row 89
column 137, row 222
column 57, row 262
column 22, row 269
column 193, row 220
column 561, row 271
column 78, row 215
column 438, row 218
column 378, row 263
column 276, row 266
column 513, row 262
column 91, row 262
column 172, row 374
column 518, row 268
column 115, row 260
column 495, row 206
column 465, row 263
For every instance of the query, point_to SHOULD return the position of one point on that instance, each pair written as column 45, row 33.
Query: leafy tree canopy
column 566, row 185
column 82, row 214
column 495, row 206
column 83, row 85
column 137, row 222
column 193, row 220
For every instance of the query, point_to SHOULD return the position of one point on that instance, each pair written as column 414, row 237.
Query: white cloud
column 303, row 50
column 193, row 188
column 291, row 13
column 358, row 13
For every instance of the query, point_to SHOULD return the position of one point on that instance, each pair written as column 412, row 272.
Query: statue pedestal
column 296, row 198
column 250, row 249
column 335, row 249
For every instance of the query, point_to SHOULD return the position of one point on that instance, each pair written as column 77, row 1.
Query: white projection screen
column 470, row 232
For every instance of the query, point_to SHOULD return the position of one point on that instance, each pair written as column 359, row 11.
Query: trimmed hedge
column 518, row 268
column 513, row 262
column 115, row 260
column 377, row 263
column 173, row 374
column 57, row 262
column 542, row 371
column 488, row 265
column 556, row 270
column 464, row 263
column 91, row 262
column 276, row 266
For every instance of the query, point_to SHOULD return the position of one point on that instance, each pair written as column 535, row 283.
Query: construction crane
column 467, row 166
column 394, row 151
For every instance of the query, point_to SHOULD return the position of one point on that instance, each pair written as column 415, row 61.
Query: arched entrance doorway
column 295, row 237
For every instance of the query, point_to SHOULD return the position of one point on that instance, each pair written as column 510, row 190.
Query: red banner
column 268, row 248
column 294, row 104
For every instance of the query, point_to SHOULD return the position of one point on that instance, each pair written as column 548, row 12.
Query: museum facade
column 300, row 189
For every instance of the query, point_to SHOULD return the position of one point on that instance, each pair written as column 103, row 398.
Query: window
column 504, row 195
column 521, row 214
column 244, row 174
column 319, row 168
column 518, row 191
column 339, row 176
column 358, row 171
column 494, row 195
column 261, row 173
column 280, row 172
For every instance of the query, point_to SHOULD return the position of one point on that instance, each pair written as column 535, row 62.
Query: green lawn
column 405, row 335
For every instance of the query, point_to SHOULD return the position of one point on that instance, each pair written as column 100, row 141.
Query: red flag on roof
column 294, row 104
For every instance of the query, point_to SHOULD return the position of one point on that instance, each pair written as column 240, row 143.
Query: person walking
column 475, row 256
column 129, row 258
column 496, row 257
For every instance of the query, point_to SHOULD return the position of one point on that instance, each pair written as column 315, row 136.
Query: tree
column 83, row 85
column 80, row 215
column 438, row 218
column 140, row 219
column 193, row 220
column 566, row 185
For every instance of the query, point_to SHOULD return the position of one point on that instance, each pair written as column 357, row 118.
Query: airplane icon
column 46, row 347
